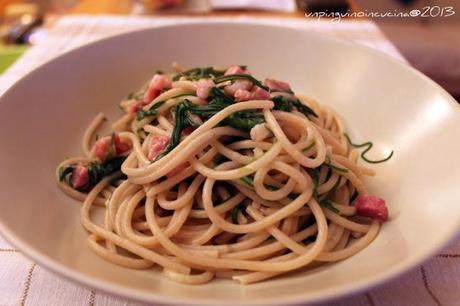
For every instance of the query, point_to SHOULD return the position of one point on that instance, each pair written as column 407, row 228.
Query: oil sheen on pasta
column 212, row 173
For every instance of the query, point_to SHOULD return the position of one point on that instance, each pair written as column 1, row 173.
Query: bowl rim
column 157, row 297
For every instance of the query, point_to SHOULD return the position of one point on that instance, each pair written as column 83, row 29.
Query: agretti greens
column 97, row 170
column 218, row 100
column 242, row 120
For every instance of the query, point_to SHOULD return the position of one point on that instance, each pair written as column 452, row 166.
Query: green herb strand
column 284, row 104
column 369, row 146
column 248, row 180
column 64, row 171
column 243, row 120
column 327, row 204
column 324, row 200
column 234, row 213
column 315, row 178
column 309, row 146
column 199, row 73
column 331, row 191
column 354, row 196
column 180, row 123
column 141, row 113
column 98, row 170
column 304, row 109
column 336, row 168
column 219, row 159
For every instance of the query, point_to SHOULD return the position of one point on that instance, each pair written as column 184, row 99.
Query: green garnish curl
column 369, row 146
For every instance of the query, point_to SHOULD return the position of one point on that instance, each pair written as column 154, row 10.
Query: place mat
column 22, row 282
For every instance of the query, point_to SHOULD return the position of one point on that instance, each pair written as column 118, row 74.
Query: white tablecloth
column 22, row 282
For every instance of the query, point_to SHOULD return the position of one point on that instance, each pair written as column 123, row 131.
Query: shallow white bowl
column 43, row 116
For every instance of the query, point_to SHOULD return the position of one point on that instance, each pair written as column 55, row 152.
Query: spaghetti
column 214, row 174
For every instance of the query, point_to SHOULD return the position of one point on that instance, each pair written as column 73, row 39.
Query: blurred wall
column 432, row 45
column 43, row 4
column 53, row 5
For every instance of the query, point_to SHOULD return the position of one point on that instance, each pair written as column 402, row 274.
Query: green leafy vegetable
column 304, row 109
column 219, row 159
column 315, row 179
column 199, row 73
column 64, row 171
column 282, row 103
column 234, row 213
column 218, row 102
column 285, row 104
column 244, row 120
column 354, row 196
column 336, row 168
column 331, row 191
column 309, row 239
column 369, row 146
column 233, row 77
column 315, row 175
column 309, row 146
column 327, row 204
column 324, row 199
column 98, row 170
column 218, row 96
column 181, row 121
column 141, row 113
column 248, row 180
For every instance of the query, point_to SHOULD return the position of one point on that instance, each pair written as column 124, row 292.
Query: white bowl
column 43, row 116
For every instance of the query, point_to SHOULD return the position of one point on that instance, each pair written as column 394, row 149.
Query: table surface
column 22, row 282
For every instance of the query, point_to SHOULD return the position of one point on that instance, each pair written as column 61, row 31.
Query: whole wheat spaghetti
column 214, row 174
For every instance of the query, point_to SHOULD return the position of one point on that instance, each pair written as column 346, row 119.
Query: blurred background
column 430, row 42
